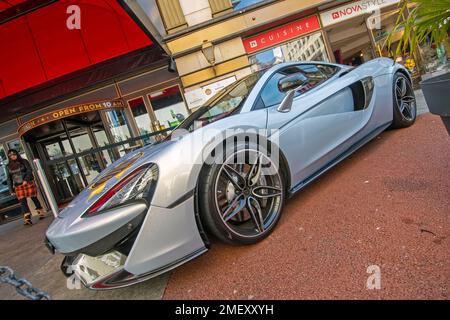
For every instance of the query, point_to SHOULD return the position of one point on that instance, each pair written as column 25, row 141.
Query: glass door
column 83, row 146
column 67, row 180
column 91, row 163
column 109, row 155
column 119, row 130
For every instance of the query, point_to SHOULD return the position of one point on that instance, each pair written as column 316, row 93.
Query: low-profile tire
column 241, row 203
column 405, row 106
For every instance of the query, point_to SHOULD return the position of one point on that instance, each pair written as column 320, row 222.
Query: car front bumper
column 164, row 239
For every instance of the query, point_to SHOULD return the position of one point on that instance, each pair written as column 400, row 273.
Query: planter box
column 437, row 95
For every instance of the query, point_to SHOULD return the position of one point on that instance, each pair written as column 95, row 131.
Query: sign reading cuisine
column 281, row 34
column 67, row 112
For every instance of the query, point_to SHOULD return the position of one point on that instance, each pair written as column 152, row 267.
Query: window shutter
column 172, row 15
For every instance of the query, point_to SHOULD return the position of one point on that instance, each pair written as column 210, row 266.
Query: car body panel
column 167, row 236
column 311, row 138
column 71, row 235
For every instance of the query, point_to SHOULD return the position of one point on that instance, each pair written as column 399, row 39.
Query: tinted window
column 271, row 95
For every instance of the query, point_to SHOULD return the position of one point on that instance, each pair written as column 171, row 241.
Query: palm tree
column 427, row 22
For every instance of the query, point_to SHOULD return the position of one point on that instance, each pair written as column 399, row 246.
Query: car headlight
column 139, row 184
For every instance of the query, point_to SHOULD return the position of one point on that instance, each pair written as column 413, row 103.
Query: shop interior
column 356, row 41
column 350, row 42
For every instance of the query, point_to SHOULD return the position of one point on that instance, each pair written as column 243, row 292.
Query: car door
column 325, row 114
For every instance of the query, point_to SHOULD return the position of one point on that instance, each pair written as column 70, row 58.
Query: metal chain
column 23, row 286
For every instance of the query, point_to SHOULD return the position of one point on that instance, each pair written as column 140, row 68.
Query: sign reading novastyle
column 281, row 34
column 67, row 112
column 353, row 9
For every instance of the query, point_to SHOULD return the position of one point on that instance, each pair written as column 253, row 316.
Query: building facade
column 78, row 97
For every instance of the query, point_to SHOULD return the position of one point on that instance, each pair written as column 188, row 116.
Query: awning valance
column 68, row 112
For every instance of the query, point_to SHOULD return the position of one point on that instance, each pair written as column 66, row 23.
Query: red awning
column 38, row 46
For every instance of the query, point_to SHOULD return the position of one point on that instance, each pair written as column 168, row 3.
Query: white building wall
column 196, row 11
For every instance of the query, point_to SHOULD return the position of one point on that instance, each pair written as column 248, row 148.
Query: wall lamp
column 208, row 52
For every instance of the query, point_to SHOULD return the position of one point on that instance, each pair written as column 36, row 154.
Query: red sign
column 281, row 34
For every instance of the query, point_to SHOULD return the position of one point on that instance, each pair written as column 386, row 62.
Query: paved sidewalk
column 387, row 205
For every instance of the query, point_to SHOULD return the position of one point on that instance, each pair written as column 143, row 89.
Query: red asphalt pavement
column 386, row 205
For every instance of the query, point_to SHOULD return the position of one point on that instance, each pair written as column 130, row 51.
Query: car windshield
column 225, row 103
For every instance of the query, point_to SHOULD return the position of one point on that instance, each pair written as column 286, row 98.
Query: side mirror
column 292, row 82
column 286, row 104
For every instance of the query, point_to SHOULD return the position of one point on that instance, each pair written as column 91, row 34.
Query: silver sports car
column 227, row 169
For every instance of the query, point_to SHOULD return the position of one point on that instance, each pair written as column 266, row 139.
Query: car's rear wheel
column 241, row 197
column 405, row 107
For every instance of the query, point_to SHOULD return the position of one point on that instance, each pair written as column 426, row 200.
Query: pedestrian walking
column 21, row 184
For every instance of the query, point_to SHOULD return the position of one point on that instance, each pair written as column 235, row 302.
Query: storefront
column 79, row 137
column 83, row 100
column 358, row 31
column 350, row 33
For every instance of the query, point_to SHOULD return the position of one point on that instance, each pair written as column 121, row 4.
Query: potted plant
column 427, row 23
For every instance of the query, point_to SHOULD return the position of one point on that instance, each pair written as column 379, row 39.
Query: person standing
column 21, row 184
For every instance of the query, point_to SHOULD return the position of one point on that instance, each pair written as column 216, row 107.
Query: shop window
column 3, row 156
column 169, row 107
column 4, row 190
column 118, row 125
column 8, row 202
column 102, row 140
column 141, row 118
column 17, row 145
column 91, row 166
column 302, row 49
column 119, row 128
column 81, row 140
column 141, row 115
column 54, row 151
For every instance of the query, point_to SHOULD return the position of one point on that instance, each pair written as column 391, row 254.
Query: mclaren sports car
column 227, row 169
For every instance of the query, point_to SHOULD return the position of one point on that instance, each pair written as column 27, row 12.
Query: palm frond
column 428, row 22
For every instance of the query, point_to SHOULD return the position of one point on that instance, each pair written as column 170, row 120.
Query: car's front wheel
column 241, row 196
